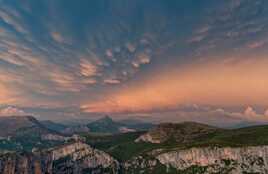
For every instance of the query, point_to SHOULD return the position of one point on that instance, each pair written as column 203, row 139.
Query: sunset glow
column 86, row 59
column 215, row 83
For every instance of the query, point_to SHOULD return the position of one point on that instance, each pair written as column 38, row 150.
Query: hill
column 13, row 125
column 137, row 124
column 181, row 133
column 53, row 125
column 26, row 133
column 105, row 125
column 65, row 129
column 74, row 157
column 170, row 136
column 108, row 125
column 188, row 148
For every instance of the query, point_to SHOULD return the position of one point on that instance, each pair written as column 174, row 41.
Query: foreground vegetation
column 123, row 146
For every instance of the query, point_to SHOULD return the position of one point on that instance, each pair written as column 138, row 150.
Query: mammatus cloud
column 64, row 53
column 87, row 68
column 141, row 59
column 44, row 68
column 57, row 37
column 111, row 81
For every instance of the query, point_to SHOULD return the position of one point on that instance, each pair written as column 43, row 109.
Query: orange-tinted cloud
column 87, row 68
column 57, row 37
column 224, row 83
column 5, row 96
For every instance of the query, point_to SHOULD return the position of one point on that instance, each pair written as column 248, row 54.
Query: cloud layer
column 215, row 83
column 12, row 111
column 131, row 57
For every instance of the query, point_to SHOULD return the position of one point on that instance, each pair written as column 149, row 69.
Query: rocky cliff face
column 72, row 158
column 25, row 163
column 80, row 158
column 219, row 160
column 148, row 138
column 207, row 160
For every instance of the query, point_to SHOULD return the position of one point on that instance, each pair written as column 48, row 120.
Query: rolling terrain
column 27, row 133
column 175, row 137
column 108, row 125
column 188, row 148
column 104, row 125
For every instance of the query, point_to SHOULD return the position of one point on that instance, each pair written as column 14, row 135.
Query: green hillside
column 124, row 147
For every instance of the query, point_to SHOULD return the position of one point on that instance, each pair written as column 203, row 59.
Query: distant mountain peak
column 105, row 124
column 107, row 118
column 22, row 126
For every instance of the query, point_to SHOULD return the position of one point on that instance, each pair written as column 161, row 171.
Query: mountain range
column 187, row 147
column 104, row 125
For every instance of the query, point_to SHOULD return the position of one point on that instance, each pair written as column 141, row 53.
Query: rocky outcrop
column 218, row 160
column 75, row 158
column 141, row 164
column 91, row 157
column 80, row 158
column 25, row 163
column 148, row 138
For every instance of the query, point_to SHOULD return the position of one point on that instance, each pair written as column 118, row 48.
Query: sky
column 197, row 60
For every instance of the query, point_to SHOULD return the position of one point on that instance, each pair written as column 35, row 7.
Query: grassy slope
column 251, row 136
column 123, row 147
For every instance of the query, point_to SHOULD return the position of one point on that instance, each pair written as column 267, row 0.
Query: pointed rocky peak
column 105, row 125
column 106, row 119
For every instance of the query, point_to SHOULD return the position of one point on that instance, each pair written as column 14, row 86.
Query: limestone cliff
column 219, row 160
column 25, row 163
column 79, row 158
column 71, row 158
column 83, row 157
